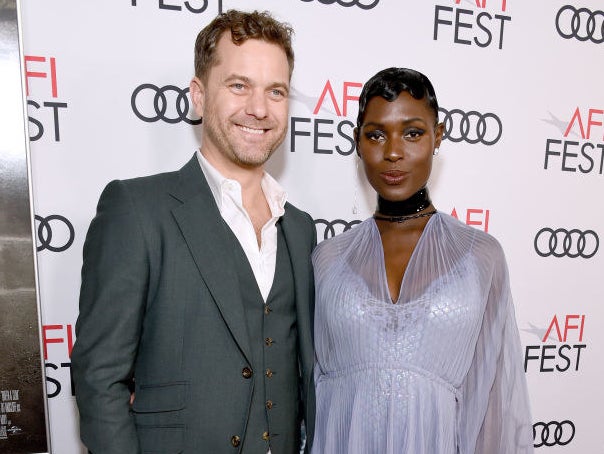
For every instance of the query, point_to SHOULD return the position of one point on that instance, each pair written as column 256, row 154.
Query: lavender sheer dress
column 440, row 371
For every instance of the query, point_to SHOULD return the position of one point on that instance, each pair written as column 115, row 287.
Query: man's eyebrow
column 233, row 77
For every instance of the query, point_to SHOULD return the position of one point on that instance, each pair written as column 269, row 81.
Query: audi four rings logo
column 580, row 23
column 168, row 103
column 472, row 126
column 363, row 4
column 553, row 433
column 570, row 243
column 54, row 227
column 332, row 228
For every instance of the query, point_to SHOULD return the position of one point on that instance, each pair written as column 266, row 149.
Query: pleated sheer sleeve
column 500, row 424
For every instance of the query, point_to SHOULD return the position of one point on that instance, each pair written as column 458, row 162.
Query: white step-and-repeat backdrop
column 520, row 85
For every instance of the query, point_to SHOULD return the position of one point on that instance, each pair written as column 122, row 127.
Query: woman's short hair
column 390, row 82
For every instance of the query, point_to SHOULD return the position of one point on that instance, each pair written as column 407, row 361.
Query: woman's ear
column 355, row 134
column 438, row 132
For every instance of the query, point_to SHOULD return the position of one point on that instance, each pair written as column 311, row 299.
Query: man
column 197, row 284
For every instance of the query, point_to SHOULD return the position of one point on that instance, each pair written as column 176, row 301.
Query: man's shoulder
column 295, row 212
column 158, row 182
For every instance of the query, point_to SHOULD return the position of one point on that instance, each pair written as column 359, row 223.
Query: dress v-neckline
column 410, row 264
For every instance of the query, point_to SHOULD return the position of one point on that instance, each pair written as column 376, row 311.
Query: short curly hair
column 242, row 26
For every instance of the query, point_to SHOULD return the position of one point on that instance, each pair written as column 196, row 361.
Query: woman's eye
column 376, row 136
column 413, row 133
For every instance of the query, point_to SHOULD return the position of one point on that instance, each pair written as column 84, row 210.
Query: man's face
column 244, row 103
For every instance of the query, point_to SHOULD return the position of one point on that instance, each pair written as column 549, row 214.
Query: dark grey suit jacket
column 159, row 303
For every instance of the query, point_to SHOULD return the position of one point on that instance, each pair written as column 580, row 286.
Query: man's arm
column 112, row 301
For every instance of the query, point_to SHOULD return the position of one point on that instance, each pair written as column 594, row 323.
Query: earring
column 435, row 152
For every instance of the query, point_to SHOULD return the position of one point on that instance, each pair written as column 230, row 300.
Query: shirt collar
column 276, row 196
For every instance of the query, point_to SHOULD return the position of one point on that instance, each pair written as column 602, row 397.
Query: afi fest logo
column 584, row 155
column 57, row 343
column 44, row 106
column 363, row 4
column 475, row 217
column 192, row 6
column 329, row 130
column 483, row 26
column 561, row 345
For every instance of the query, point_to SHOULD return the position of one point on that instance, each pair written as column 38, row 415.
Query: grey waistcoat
column 274, row 414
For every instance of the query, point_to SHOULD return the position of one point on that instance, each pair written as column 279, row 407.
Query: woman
column 416, row 341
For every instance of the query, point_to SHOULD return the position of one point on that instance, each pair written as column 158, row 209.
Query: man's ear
column 197, row 93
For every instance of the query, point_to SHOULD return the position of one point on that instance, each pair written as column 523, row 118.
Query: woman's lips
column 393, row 177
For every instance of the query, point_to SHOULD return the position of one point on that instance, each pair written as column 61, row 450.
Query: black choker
column 400, row 219
column 413, row 205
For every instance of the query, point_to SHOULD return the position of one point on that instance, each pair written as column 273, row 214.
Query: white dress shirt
column 227, row 194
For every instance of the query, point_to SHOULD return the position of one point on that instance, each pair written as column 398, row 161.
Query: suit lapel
column 299, row 249
column 204, row 232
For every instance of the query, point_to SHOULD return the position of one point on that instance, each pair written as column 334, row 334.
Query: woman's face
column 396, row 142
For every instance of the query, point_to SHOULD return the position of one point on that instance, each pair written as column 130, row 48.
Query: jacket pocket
column 161, row 397
column 158, row 416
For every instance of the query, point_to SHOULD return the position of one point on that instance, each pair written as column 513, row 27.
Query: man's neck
column 249, row 178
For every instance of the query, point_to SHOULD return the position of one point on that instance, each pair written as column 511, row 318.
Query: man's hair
column 241, row 26
column 390, row 82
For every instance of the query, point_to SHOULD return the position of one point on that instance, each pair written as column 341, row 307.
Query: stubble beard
column 237, row 153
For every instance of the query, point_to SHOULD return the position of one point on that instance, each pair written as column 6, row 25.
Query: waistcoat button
column 235, row 441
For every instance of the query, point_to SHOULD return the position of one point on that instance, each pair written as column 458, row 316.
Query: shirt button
column 269, row 373
column 269, row 404
column 246, row 372
column 235, row 441
column 268, row 341
column 265, row 436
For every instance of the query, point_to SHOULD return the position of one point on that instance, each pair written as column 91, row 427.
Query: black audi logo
column 570, row 243
column 367, row 4
column 553, row 433
column 55, row 233
column 156, row 101
column 472, row 127
column 580, row 23
column 332, row 228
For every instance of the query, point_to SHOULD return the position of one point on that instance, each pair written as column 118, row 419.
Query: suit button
column 268, row 341
column 265, row 436
column 235, row 441
column 269, row 404
column 246, row 372
column 269, row 373
column 267, row 309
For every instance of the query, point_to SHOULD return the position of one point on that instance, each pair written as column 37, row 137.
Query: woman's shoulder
column 468, row 237
column 338, row 245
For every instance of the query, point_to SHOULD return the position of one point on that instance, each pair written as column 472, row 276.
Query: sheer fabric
column 440, row 371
